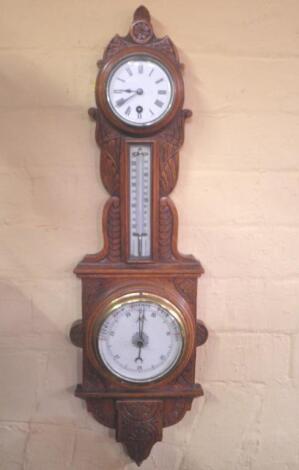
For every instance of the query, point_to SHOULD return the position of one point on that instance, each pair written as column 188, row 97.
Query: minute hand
column 122, row 101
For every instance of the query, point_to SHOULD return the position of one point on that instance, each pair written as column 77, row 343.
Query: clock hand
column 142, row 323
column 140, row 342
column 139, row 358
column 122, row 101
column 128, row 90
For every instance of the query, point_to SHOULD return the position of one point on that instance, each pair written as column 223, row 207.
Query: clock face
column 140, row 90
column 140, row 339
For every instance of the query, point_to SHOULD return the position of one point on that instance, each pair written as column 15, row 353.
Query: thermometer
column 140, row 192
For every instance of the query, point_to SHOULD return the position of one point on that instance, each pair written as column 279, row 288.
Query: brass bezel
column 132, row 298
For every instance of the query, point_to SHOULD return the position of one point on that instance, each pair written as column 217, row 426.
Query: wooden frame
column 138, row 412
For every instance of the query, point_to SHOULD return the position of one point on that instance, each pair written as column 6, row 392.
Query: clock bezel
column 104, row 77
column 140, row 58
column 172, row 302
column 134, row 298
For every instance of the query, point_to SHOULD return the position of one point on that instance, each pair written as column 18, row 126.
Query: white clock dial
column 140, row 340
column 140, row 90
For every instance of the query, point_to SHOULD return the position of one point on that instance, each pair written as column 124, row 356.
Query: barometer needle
column 140, row 342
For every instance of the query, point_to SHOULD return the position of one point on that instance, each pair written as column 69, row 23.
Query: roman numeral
column 120, row 79
column 151, row 72
column 152, row 113
column 159, row 81
column 128, row 111
column 140, row 68
column 162, row 92
column 159, row 103
column 129, row 71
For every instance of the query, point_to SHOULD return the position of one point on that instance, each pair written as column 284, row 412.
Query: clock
column 140, row 90
column 139, row 328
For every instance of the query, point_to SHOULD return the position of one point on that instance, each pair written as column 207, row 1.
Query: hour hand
column 122, row 90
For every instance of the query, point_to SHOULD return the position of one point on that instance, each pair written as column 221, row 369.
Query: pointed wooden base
column 139, row 426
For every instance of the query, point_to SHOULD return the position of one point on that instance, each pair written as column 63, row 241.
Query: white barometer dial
column 141, row 338
column 140, row 90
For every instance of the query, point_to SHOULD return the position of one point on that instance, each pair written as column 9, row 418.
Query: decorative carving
column 76, row 333
column 114, row 230
column 142, row 14
column 166, row 46
column 115, row 45
column 141, row 29
column 172, row 138
column 139, row 426
column 141, row 32
column 109, row 141
column 165, row 230
column 187, row 287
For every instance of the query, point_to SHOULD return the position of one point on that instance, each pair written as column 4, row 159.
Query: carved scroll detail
column 114, row 231
column 139, row 426
column 165, row 230
column 172, row 139
column 141, row 32
column 109, row 141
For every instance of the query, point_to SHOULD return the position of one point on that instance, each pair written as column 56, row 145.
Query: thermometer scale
column 140, row 193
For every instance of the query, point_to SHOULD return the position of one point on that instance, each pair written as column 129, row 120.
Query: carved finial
column 142, row 14
column 141, row 29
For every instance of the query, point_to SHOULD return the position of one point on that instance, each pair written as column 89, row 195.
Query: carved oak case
column 138, row 330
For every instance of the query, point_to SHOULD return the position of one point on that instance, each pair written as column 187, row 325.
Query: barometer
column 139, row 329
column 140, row 337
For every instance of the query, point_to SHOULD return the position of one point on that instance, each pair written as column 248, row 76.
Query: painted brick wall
column 238, row 201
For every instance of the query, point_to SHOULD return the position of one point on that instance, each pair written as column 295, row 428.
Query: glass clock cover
column 140, row 90
column 140, row 340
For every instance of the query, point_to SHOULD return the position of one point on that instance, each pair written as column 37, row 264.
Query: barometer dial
column 140, row 90
column 141, row 339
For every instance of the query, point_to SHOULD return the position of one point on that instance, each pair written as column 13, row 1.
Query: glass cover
column 141, row 340
column 140, row 90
